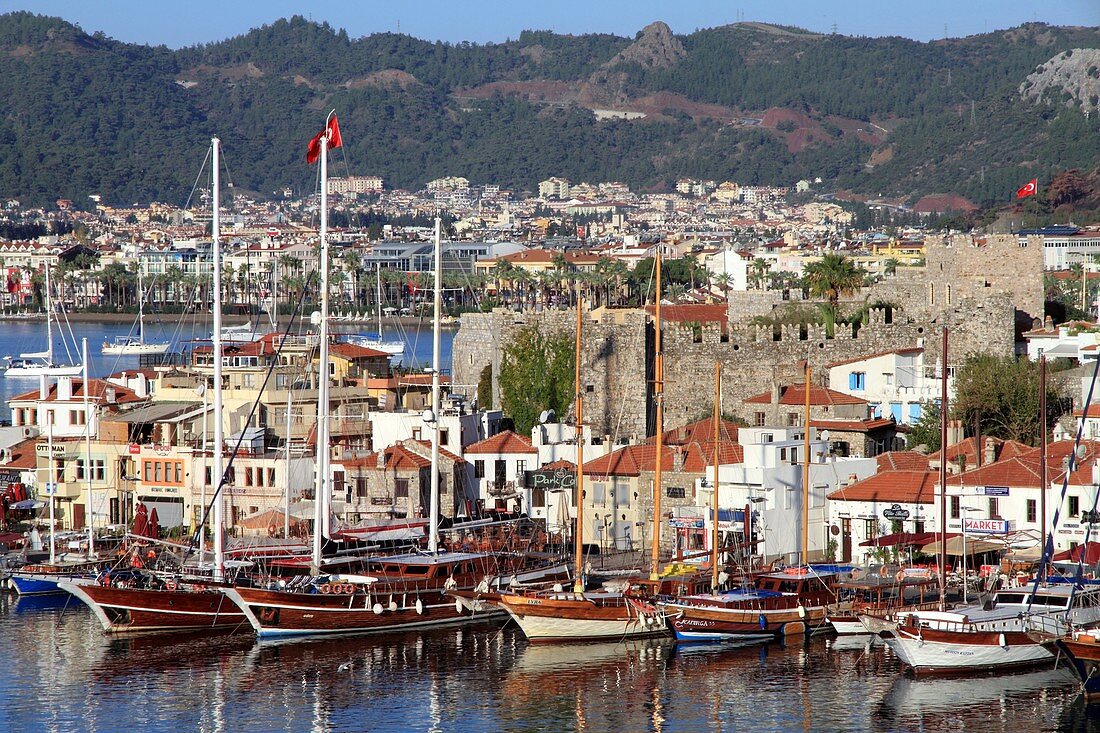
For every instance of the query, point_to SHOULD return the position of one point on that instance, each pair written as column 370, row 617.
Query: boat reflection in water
column 989, row 703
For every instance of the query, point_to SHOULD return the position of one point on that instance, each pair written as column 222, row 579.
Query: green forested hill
column 86, row 114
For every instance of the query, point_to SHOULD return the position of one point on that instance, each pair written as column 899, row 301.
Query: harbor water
column 22, row 336
column 60, row 673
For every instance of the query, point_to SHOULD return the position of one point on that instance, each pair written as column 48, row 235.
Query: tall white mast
column 51, row 484
column 219, row 468
column 141, row 303
column 88, row 454
column 49, row 318
column 321, row 514
column 433, row 513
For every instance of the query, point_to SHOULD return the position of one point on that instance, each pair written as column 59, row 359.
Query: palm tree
column 353, row 262
column 760, row 269
column 503, row 271
column 831, row 277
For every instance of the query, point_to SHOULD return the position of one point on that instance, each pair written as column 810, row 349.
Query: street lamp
column 962, row 511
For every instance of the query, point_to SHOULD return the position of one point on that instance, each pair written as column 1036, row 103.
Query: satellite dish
column 428, row 416
column 315, row 318
column 1081, row 451
column 200, row 389
column 544, row 417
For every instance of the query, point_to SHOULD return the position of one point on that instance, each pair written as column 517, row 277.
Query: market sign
column 985, row 526
column 556, row 480
column 896, row 512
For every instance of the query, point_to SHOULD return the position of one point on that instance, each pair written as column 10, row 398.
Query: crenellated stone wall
column 617, row 360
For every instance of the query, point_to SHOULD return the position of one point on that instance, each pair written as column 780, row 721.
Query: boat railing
column 1047, row 625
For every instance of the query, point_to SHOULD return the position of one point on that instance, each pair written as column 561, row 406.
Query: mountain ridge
column 748, row 102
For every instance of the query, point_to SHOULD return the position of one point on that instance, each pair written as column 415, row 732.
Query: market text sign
column 985, row 526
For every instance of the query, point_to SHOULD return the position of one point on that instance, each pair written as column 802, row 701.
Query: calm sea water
column 59, row 673
column 18, row 336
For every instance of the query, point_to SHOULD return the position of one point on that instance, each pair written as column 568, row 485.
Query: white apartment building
column 895, row 383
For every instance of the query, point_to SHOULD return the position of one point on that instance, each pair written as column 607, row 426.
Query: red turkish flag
column 1028, row 190
column 313, row 152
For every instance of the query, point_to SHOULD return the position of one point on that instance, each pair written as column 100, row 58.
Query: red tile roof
column 854, row 426
column 630, row 460
column 906, row 460
column 354, row 351
column 795, row 394
column 560, row 463
column 23, row 455
column 699, row 312
column 700, row 456
column 904, row 352
column 968, row 448
column 504, row 442
column 98, row 387
column 903, row 487
column 698, row 431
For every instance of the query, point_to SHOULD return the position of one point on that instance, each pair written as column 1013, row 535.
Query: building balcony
column 501, row 489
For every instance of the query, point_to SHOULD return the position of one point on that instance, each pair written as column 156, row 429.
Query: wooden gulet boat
column 877, row 595
column 582, row 615
column 990, row 636
column 144, row 602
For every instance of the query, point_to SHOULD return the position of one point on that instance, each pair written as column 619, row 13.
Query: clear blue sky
column 188, row 22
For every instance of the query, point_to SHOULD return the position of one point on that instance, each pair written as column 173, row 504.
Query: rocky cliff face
column 1073, row 76
column 656, row 48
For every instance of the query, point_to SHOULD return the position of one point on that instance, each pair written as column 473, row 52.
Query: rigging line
column 1048, row 545
column 198, row 179
column 223, row 479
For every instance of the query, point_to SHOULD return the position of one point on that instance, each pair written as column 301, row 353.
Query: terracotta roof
column 443, row 452
column 914, row 350
column 968, row 448
column 698, row 431
column 23, row 455
column 629, row 460
column 504, row 442
column 354, row 351
column 700, row 455
column 854, row 426
column 123, row 395
column 795, row 394
column 561, row 463
column 700, row 312
column 906, row 460
column 903, row 487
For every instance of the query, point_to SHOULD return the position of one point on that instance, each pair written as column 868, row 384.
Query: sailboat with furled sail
column 610, row 612
column 397, row 591
column 133, row 602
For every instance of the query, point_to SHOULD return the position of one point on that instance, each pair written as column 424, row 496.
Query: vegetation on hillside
column 87, row 114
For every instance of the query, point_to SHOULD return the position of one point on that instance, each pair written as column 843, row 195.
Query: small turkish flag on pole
column 313, row 152
column 1028, row 190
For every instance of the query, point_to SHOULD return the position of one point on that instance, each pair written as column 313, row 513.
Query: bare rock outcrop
column 1072, row 76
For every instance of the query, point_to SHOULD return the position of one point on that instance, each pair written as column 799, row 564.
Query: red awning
column 1090, row 551
column 905, row 539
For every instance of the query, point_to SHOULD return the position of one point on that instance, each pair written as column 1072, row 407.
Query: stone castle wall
column 614, row 364
column 617, row 355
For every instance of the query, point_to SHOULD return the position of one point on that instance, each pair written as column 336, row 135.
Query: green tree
column 832, row 277
column 1001, row 393
column 926, row 430
column 536, row 374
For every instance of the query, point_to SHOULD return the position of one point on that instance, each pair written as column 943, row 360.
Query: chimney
column 677, row 458
column 776, row 394
column 109, row 395
column 990, row 451
column 954, row 432
column 381, row 460
column 64, row 388
column 43, row 388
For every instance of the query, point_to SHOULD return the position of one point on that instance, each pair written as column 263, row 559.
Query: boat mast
column 659, row 398
column 714, row 502
column 578, row 489
column 141, row 303
column 1042, row 460
column 49, row 320
column 51, row 484
column 433, row 500
column 219, row 468
column 806, row 474
column 378, row 297
column 943, row 474
column 321, row 518
column 88, row 454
